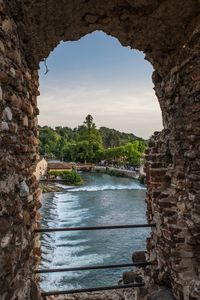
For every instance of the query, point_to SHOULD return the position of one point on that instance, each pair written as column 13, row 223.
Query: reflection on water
column 102, row 200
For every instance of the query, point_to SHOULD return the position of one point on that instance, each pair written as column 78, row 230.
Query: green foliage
column 86, row 143
column 115, row 138
column 89, row 122
column 129, row 154
column 70, row 177
column 49, row 141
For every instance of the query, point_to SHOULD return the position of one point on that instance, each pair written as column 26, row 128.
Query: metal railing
column 101, row 288
column 95, row 227
column 97, row 267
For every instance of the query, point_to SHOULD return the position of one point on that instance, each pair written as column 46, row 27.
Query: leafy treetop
column 87, row 143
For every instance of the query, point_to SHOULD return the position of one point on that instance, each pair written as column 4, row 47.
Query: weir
column 89, row 245
column 168, row 33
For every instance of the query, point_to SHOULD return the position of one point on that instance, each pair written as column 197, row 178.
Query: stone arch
column 168, row 33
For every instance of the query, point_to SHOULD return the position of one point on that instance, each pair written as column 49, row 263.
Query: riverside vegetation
column 70, row 177
column 86, row 143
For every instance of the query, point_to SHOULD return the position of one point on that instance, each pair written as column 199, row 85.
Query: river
column 103, row 199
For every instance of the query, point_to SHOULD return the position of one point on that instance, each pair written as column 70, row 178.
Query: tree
column 70, row 152
column 87, row 143
column 89, row 122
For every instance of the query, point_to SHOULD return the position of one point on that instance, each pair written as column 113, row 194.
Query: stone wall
column 173, row 176
column 19, row 192
column 41, row 169
column 168, row 32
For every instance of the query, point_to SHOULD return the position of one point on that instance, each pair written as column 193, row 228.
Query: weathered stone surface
column 129, row 277
column 1, row 94
column 91, row 18
column 168, row 33
column 18, row 196
column 5, row 241
column 103, row 295
column 143, row 25
column 24, row 189
column 7, row 114
column 162, row 294
column 4, row 126
column 25, row 121
column 171, row 194
column 138, row 257
column 7, row 25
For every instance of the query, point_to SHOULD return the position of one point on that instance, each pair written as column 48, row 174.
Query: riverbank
column 50, row 187
column 54, row 186
column 117, row 172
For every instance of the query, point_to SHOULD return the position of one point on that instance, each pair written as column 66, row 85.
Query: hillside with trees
column 86, row 143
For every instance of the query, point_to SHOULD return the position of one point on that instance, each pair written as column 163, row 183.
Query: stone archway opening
column 168, row 33
column 97, row 103
column 97, row 75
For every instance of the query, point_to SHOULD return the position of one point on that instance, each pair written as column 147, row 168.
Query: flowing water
column 102, row 200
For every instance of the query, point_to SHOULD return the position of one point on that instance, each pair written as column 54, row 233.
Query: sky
column 96, row 75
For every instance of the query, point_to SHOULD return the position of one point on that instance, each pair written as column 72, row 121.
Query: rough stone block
column 129, row 277
column 162, row 294
column 139, row 257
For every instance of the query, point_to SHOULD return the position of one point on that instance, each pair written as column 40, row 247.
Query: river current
column 102, row 200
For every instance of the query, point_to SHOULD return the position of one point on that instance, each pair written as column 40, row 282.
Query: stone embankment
column 49, row 187
column 117, row 171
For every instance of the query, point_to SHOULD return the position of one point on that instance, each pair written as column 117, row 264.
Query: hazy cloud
column 97, row 75
column 125, row 108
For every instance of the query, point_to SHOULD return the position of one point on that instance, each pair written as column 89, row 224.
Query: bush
column 70, row 177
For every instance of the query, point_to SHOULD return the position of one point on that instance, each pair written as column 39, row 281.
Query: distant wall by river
column 123, row 172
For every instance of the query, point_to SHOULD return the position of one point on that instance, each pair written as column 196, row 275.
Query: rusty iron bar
column 102, row 288
column 94, row 227
column 85, row 268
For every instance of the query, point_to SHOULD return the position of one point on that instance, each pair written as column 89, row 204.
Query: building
column 59, row 166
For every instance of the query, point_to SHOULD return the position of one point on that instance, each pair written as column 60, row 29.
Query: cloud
column 124, row 107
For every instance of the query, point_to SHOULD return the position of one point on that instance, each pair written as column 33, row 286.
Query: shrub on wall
column 70, row 177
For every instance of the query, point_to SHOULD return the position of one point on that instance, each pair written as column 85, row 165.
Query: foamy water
column 107, row 187
column 102, row 200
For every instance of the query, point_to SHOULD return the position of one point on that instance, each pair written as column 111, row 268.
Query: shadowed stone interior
column 168, row 33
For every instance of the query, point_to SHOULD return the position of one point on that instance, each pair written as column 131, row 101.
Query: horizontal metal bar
column 95, row 227
column 102, row 288
column 85, row 268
